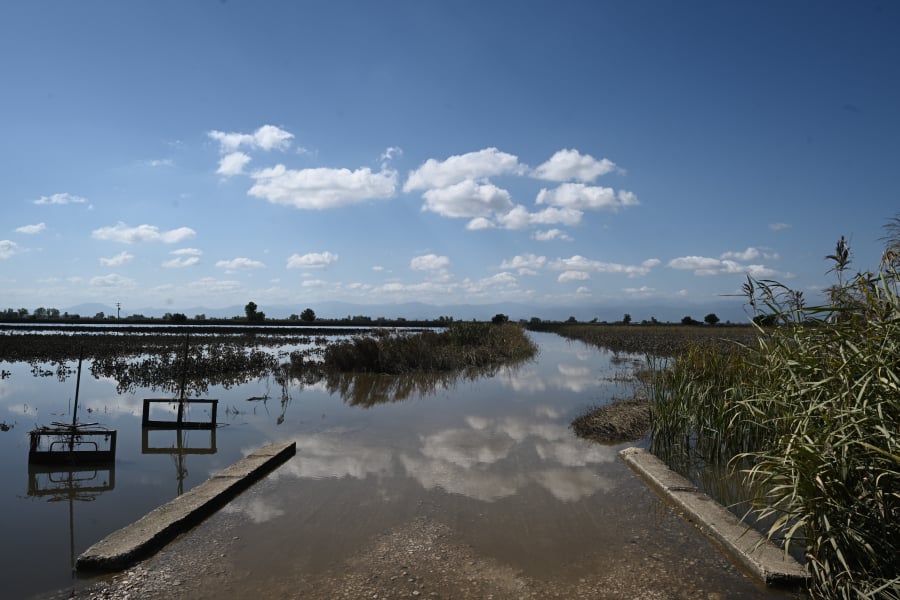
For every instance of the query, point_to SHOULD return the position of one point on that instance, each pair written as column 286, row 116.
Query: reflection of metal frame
column 72, row 482
column 179, row 447
column 46, row 480
column 179, row 422
column 180, row 450
column 71, row 444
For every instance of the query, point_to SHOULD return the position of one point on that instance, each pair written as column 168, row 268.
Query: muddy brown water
column 478, row 488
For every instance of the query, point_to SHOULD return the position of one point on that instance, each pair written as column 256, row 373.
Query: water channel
column 492, row 457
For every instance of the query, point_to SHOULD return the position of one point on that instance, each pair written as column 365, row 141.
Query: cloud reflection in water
column 485, row 459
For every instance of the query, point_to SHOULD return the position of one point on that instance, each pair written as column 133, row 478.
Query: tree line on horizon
column 252, row 314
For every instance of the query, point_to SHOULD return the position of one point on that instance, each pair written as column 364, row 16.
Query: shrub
column 462, row 345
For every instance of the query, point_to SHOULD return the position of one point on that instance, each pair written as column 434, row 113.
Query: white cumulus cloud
column 586, row 197
column 530, row 261
column 573, row 276
column 313, row 260
column 429, row 262
column 472, row 165
column 7, row 249
column 267, row 137
column 64, row 198
column 704, row 266
column 389, row 154
column 120, row 232
column 322, row 188
column 581, row 263
column 232, row 163
column 122, row 258
column 180, row 262
column 187, row 252
column 479, row 223
column 551, row 234
column 467, row 199
column 748, row 254
column 520, row 218
column 568, row 165
column 241, row 263
column 31, row 229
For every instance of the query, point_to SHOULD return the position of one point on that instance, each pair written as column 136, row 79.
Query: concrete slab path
column 127, row 545
column 744, row 543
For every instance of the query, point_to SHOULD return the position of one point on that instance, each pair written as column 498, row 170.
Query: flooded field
column 489, row 459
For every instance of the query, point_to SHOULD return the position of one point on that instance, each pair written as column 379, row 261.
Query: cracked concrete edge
column 125, row 546
column 750, row 548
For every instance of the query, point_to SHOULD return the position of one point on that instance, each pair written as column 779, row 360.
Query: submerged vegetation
column 653, row 341
column 365, row 366
column 621, row 421
column 461, row 346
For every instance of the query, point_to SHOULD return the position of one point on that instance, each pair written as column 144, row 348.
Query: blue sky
column 588, row 154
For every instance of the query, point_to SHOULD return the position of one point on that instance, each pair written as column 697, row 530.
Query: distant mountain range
column 727, row 309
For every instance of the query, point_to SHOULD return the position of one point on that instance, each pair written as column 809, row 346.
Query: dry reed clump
column 621, row 421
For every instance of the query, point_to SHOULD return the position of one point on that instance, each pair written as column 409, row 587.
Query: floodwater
column 492, row 457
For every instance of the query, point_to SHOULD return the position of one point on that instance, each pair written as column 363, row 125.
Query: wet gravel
column 420, row 559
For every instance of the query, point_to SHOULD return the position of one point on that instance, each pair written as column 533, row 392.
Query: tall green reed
column 809, row 417
column 830, row 467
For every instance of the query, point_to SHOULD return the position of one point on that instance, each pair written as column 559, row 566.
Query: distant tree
column 179, row 318
column 40, row 313
column 53, row 313
column 250, row 310
column 254, row 315
column 294, row 317
column 765, row 320
column 200, row 317
column 23, row 312
column 100, row 315
column 308, row 315
column 626, row 319
column 571, row 320
column 711, row 319
column 535, row 321
column 688, row 320
column 499, row 318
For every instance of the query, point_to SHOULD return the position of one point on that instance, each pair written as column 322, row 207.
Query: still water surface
column 493, row 456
